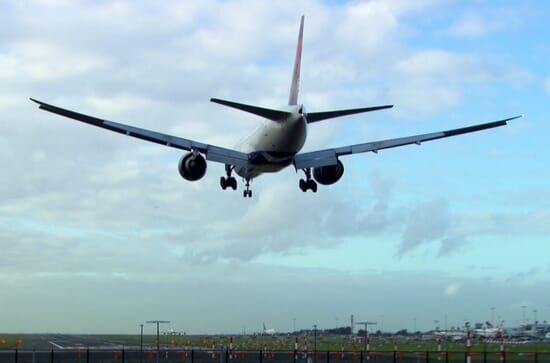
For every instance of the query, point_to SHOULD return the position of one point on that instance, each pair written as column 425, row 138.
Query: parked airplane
column 489, row 331
column 273, row 146
column 453, row 335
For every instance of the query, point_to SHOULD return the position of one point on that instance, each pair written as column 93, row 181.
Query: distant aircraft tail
column 295, row 84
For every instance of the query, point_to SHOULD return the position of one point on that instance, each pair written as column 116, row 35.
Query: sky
column 99, row 233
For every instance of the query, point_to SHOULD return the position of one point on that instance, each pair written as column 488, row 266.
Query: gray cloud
column 178, row 294
column 450, row 245
column 427, row 222
column 525, row 276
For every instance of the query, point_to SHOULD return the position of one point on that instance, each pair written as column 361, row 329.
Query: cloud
column 433, row 79
column 450, row 245
column 451, row 290
column 547, row 85
column 483, row 22
column 254, row 288
column 428, row 222
column 270, row 227
column 526, row 276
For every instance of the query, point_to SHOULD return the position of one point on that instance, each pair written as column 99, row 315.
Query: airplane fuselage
column 273, row 145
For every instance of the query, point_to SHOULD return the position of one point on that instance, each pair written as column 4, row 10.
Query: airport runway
column 64, row 341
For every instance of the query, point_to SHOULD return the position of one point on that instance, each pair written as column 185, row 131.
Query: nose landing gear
column 229, row 182
column 308, row 183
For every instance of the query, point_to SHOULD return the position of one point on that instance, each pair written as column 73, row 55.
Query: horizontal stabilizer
column 320, row 116
column 274, row 115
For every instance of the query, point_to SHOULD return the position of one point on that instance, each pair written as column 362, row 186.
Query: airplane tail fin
column 320, row 116
column 271, row 114
column 294, row 85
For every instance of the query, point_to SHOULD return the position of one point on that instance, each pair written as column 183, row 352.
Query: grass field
column 277, row 343
column 323, row 344
column 8, row 341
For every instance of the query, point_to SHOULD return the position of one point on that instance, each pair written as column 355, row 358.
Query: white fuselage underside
column 273, row 144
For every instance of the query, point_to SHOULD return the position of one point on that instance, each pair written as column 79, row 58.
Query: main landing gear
column 229, row 182
column 308, row 183
column 247, row 192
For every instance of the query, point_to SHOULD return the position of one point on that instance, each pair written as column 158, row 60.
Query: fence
column 240, row 356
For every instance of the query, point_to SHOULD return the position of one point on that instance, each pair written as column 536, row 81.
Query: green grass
column 287, row 344
column 8, row 341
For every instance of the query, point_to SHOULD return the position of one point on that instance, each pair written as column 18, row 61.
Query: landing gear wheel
column 232, row 182
column 229, row 181
column 245, row 193
column 312, row 185
column 308, row 183
column 303, row 185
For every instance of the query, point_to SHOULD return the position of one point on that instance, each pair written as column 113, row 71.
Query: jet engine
column 192, row 166
column 330, row 174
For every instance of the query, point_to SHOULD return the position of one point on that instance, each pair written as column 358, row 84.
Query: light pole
column 158, row 322
column 294, row 325
column 141, row 338
column 141, row 343
column 315, row 343
column 535, row 316
column 366, row 324
column 493, row 315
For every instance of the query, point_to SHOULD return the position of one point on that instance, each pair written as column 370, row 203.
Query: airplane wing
column 330, row 156
column 213, row 153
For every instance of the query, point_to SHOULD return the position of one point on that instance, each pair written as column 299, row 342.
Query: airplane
column 453, row 334
column 273, row 146
column 267, row 331
column 489, row 330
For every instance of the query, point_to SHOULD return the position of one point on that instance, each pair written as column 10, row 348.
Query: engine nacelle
column 192, row 167
column 330, row 174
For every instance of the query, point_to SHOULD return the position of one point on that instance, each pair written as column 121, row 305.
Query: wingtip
column 515, row 117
